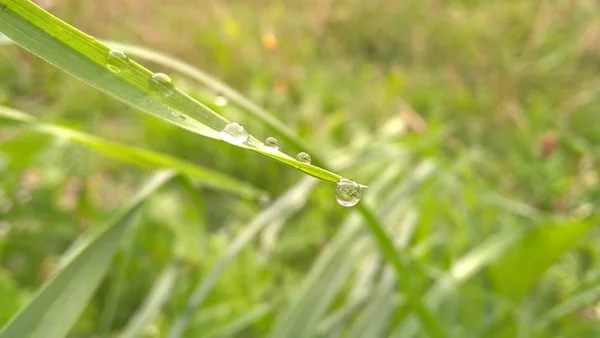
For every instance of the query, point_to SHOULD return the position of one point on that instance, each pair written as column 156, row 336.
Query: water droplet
column 234, row 133
column 221, row 101
column 162, row 84
column 272, row 143
column 181, row 116
column 347, row 192
column 304, row 157
column 117, row 61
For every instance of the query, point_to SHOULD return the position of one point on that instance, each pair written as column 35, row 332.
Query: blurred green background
column 475, row 123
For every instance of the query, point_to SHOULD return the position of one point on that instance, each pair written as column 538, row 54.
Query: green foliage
column 473, row 122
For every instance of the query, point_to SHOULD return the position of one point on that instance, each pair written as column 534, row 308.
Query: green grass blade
column 86, row 58
column 158, row 296
column 334, row 266
column 403, row 271
column 136, row 156
column 58, row 304
column 575, row 302
column 217, row 86
column 522, row 266
column 237, row 325
column 284, row 206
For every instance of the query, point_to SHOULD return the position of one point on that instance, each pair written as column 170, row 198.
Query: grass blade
column 237, row 325
column 58, row 304
column 159, row 294
column 219, row 87
column 522, row 266
column 136, row 156
column 283, row 207
column 87, row 58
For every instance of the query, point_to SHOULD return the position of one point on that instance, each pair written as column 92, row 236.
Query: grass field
column 474, row 123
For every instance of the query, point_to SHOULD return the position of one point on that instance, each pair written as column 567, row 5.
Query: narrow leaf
column 58, row 304
column 88, row 59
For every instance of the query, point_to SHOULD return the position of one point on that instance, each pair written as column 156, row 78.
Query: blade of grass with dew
column 283, row 207
column 136, row 156
column 265, row 117
column 86, row 58
column 217, row 86
column 158, row 296
column 58, row 304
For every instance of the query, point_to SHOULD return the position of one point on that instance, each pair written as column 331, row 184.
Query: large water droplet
column 221, row 101
column 347, row 192
column 234, row 133
column 162, row 84
column 304, row 157
column 272, row 143
column 117, row 61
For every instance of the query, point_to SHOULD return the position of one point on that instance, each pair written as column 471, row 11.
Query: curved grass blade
column 522, row 265
column 217, row 86
column 58, row 304
column 279, row 127
column 279, row 210
column 575, row 302
column 136, row 156
column 88, row 59
column 284, row 206
column 160, row 293
column 237, row 325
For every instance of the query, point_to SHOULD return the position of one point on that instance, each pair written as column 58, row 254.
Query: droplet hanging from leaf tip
column 347, row 192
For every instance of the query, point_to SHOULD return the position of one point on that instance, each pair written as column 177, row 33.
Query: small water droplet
column 117, row 61
column 221, row 101
column 272, row 143
column 234, row 133
column 304, row 157
column 347, row 192
column 162, row 84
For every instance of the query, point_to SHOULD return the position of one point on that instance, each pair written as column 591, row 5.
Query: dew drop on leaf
column 117, row 61
column 162, row 84
column 272, row 143
column 234, row 133
column 221, row 101
column 347, row 192
column 304, row 157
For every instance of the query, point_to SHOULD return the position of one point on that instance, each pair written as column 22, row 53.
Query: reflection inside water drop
column 234, row 133
column 304, row 157
column 347, row 192
column 162, row 84
column 117, row 61
column 272, row 143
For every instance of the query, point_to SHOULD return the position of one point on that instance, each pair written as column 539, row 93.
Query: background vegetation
column 473, row 122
